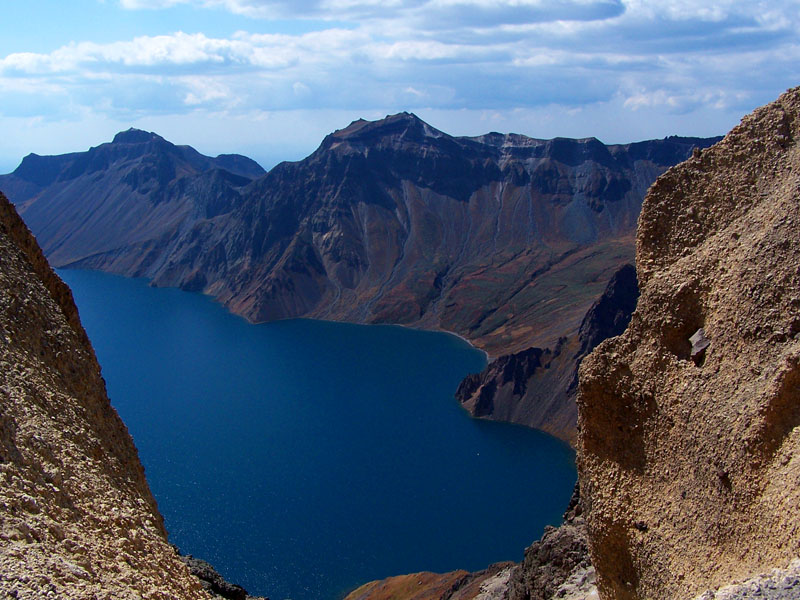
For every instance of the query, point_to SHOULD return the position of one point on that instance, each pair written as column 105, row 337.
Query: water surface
column 303, row 458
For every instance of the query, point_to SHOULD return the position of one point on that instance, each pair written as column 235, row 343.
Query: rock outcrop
column 537, row 387
column 778, row 584
column 77, row 519
column 689, row 444
column 558, row 564
column 503, row 239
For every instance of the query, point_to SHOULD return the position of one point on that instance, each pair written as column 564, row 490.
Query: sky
column 270, row 78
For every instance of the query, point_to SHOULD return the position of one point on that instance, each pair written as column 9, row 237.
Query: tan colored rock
column 77, row 519
column 690, row 469
column 489, row 584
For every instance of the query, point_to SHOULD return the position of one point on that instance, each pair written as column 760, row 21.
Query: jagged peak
column 135, row 136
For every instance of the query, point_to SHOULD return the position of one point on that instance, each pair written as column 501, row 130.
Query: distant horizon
column 270, row 78
column 342, row 126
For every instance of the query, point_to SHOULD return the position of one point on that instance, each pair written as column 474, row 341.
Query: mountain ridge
column 505, row 242
column 343, row 233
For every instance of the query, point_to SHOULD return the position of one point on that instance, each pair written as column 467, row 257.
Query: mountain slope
column 504, row 239
column 537, row 387
column 689, row 443
column 135, row 189
column 78, row 519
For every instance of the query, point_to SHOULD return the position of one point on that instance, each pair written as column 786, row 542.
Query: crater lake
column 304, row 458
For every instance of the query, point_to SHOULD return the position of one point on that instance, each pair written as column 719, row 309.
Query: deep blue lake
column 303, row 458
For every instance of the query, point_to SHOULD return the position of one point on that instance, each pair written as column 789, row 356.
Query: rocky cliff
column 689, row 444
column 78, row 519
column 537, row 387
column 504, row 239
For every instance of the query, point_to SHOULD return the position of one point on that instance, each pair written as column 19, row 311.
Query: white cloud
column 501, row 61
column 203, row 90
column 300, row 89
column 150, row 4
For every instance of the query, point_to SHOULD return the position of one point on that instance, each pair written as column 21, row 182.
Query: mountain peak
column 135, row 136
column 401, row 126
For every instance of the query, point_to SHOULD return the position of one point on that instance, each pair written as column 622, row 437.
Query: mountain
column 137, row 189
column 689, row 437
column 689, row 443
column 504, row 239
column 77, row 519
column 537, row 387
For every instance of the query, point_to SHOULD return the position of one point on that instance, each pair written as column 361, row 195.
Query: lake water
column 303, row 458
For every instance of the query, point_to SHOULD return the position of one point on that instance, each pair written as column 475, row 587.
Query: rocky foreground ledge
column 689, row 443
column 77, row 519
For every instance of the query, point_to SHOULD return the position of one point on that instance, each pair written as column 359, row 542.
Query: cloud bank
column 671, row 57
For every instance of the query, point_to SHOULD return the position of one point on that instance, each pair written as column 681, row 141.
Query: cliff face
column 78, row 519
column 537, row 387
column 504, row 239
column 689, row 444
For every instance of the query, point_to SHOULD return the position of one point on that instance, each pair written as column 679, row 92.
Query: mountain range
column 688, row 457
column 503, row 239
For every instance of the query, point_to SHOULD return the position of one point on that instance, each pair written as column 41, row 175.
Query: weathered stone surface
column 690, row 470
column 77, row 519
column 779, row 584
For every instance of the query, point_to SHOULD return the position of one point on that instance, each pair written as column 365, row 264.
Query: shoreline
column 489, row 358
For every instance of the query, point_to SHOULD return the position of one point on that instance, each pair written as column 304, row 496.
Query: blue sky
column 269, row 78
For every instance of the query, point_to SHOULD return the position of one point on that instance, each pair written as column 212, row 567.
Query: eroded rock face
column 558, row 564
column 537, row 387
column 690, row 466
column 77, row 519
